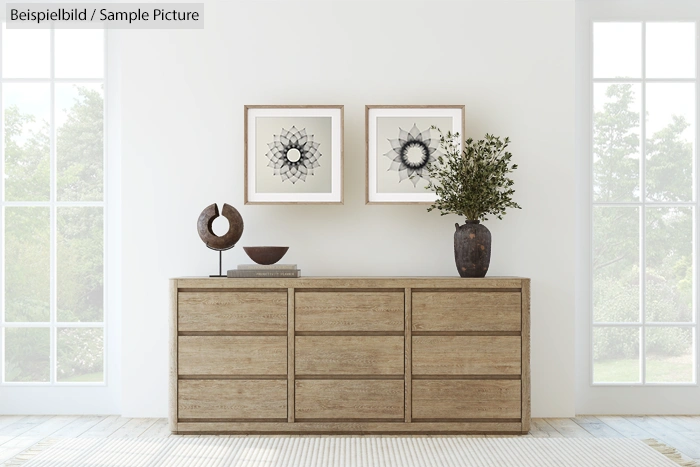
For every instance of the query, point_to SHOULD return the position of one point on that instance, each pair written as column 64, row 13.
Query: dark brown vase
column 472, row 249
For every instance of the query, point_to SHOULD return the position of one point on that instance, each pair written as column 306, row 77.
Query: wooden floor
column 18, row 433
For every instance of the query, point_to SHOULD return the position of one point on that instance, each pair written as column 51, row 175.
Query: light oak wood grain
column 173, row 357
column 454, row 399
column 350, row 427
column 349, row 399
column 232, row 399
column 349, row 311
column 291, row 303
column 347, row 355
column 408, row 352
column 466, row 311
column 232, row 355
column 467, row 355
column 525, row 355
column 350, row 352
column 232, row 311
column 351, row 283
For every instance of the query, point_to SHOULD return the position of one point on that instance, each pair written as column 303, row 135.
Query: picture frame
column 293, row 154
column 399, row 143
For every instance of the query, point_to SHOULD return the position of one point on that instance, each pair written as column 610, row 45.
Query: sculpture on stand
column 226, row 241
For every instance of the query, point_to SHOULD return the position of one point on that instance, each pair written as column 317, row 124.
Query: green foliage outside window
column 616, row 268
column 80, row 240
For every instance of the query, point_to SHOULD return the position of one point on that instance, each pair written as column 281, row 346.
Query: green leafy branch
column 473, row 182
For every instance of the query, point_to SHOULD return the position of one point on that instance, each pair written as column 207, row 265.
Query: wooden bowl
column 266, row 254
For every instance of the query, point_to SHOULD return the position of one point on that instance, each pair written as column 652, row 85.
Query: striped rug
column 365, row 451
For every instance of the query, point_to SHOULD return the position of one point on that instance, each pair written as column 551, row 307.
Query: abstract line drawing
column 411, row 153
column 293, row 154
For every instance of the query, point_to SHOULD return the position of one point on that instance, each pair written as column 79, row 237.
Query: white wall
column 183, row 92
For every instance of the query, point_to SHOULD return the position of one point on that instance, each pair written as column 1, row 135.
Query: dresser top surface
column 353, row 282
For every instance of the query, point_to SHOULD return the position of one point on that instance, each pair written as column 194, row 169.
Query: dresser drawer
column 454, row 399
column 232, row 355
column 349, row 355
column 466, row 355
column 240, row 399
column 232, row 311
column 466, row 311
column 349, row 311
column 349, row 399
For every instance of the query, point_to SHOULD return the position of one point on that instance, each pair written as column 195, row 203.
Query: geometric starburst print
column 293, row 154
column 411, row 153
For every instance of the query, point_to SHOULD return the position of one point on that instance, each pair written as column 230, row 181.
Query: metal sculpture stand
column 221, row 274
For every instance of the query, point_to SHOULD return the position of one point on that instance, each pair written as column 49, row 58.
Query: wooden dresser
column 350, row 355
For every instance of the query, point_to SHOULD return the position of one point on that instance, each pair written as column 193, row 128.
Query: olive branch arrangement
column 473, row 182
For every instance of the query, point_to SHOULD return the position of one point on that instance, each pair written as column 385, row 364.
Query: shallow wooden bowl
column 266, row 254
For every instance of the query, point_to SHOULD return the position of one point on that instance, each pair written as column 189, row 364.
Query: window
column 644, row 203
column 53, row 206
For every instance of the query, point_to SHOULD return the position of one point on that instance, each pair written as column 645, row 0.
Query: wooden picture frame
column 293, row 154
column 399, row 144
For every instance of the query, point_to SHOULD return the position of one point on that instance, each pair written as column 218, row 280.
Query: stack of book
column 261, row 270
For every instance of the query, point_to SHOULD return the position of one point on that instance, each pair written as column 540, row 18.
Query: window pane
column 27, row 354
column 616, row 355
column 80, row 355
column 26, row 53
column 615, row 264
column 616, row 136
column 617, row 50
column 669, row 265
column 79, row 142
column 670, row 50
column 27, row 264
column 670, row 140
column 669, row 353
column 26, row 109
column 79, row 232
column 79, row 53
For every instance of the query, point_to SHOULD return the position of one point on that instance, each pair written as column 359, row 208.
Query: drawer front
column 466, row 311
column 349, row 399
column 232, row 355
column 232, row 399
column 349, row 355
column 466, row 355
column 232, row 311
column 473, row 399
column 349, row 311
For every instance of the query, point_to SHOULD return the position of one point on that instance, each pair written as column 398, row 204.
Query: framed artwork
column 399, row 144
column 293, row 154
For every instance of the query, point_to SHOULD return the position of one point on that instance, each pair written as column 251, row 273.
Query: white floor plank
column 79, row 426
column 160, row 429
column 106, row 427
column 32, row 436
column 134, row 428
column 17, row 433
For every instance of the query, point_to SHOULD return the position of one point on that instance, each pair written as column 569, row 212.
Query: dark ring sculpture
column 229, row 239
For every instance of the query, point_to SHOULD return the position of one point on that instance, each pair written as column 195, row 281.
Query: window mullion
column 696, row 231
column 2, row 223
column 643, row 211
column 53, row 215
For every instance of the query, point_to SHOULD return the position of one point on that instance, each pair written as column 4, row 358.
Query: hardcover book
column 271, row 273
column 266, row 266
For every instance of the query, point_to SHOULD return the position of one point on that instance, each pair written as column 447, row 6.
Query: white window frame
column 76, row 397
column 642, row 204
column 641, row 397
